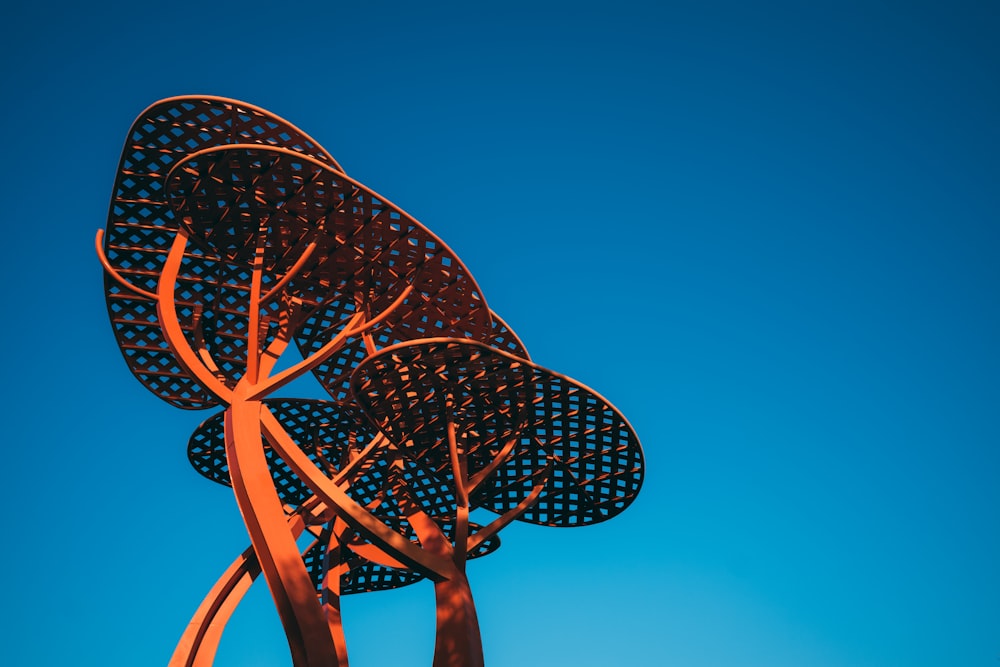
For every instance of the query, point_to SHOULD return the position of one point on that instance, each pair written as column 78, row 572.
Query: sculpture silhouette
column 232, row 234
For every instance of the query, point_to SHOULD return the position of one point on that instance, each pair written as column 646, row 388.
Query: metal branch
column 504, row 519
column 394, row 544
column 113, row 272
column 166, row 307
column 289, row 275
column 476, row 480
column 354, row 326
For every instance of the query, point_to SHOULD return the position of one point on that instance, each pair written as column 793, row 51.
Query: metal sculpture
column 233, row 234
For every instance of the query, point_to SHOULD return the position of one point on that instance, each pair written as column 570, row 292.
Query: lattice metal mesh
column 141, row 228
column 365, row 576
column 595, row 454
column 320, row 428
column 367, row 250
column 337, row 370
column 414, row 393
column 567, row 434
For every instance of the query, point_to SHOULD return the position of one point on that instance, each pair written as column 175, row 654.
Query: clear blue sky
column 768, row 232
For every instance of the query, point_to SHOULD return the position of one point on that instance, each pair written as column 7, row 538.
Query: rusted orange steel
column 231, row 235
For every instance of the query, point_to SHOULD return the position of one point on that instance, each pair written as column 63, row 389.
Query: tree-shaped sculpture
column 232, row 233
column 504, row 434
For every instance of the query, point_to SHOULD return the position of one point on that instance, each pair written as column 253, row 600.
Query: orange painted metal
column 231, row 235
column 200, row 640
column 510, row 436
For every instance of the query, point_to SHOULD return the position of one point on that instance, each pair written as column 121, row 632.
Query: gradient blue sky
column 768, row 232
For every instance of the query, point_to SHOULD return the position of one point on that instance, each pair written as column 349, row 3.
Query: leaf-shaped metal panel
column 566, row 434
column 141, row 226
